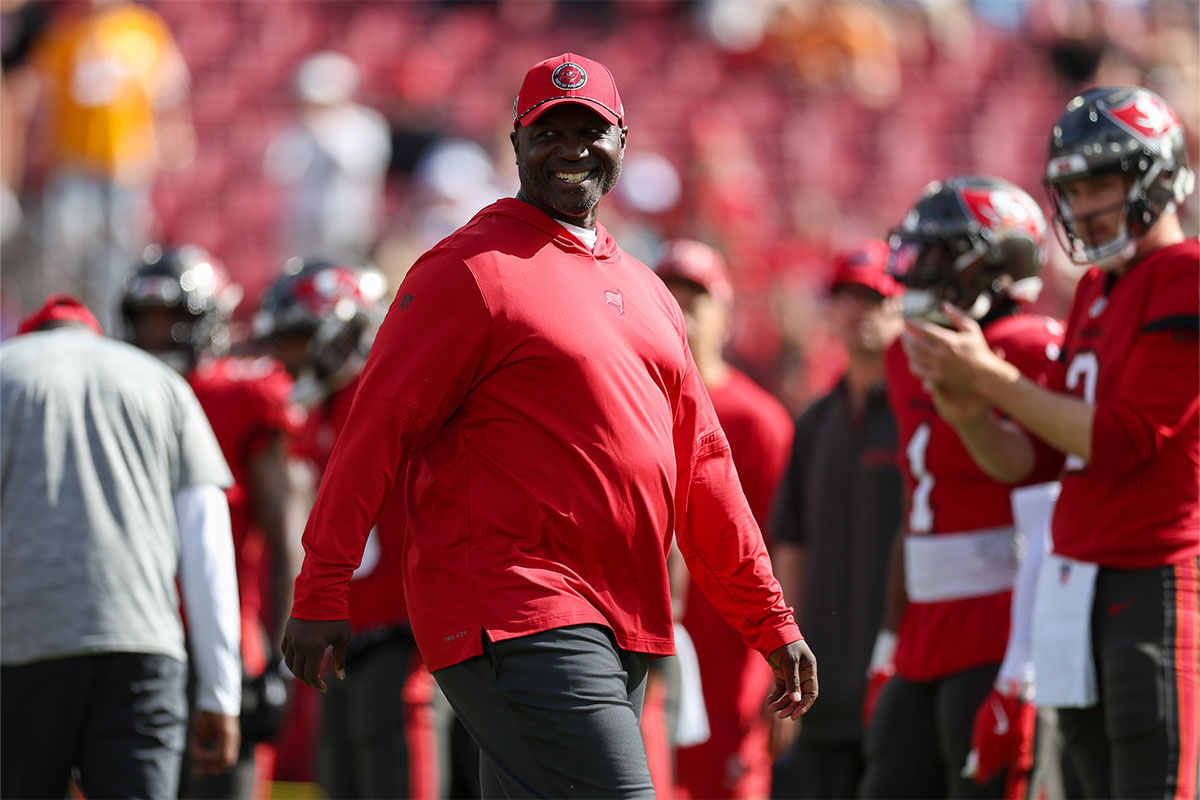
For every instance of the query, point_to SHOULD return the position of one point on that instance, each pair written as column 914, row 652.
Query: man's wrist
column 974, row 426
column 995, row 375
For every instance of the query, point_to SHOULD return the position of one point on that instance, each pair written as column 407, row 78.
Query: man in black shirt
column 837, row 511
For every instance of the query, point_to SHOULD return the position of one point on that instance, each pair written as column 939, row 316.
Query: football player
column 1116, row 628
column 971, row 246
column 320, row 318
column 735, row 760
column 176, row 304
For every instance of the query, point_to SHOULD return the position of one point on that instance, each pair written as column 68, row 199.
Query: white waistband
column 954, row 566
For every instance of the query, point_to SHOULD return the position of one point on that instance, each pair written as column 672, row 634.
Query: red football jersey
column 248, row 402
column 947, row 493
column 735, row 761
column 1132, row 350
column 377, row 586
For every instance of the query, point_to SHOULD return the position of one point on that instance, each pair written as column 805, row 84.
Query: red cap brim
column 532, row 114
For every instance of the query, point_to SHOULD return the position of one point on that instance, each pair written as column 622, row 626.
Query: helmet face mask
column 176, row 304
column 1126, row 131
column 321, row 317
column 934, row 271
column 968, row 241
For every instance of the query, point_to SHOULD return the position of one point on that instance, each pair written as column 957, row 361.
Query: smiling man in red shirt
column 532, row 400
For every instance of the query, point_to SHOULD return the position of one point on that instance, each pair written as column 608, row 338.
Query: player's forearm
column 280, row 509
column 1061, row 421
column 895, row 598
column 998, row 447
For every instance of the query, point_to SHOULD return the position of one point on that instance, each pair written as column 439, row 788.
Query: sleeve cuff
column 769, row 641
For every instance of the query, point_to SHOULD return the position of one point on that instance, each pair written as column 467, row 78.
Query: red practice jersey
column 946, row 493
column 377, row 587
column 1132, row 350
column 735, row 761
column 248, row 403
column 536, row 403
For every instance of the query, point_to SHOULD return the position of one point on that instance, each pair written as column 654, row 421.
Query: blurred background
column 775, row 130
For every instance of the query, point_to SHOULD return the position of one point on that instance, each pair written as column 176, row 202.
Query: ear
column 624, row 133
column 512, row 137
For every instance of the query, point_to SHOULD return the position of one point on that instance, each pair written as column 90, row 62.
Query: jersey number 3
column 1083, row 373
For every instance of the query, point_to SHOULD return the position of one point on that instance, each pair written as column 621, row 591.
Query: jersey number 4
column 1082, row 375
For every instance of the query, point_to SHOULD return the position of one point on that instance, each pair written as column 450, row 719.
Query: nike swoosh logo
column 1001, row 718
column 1117, row 608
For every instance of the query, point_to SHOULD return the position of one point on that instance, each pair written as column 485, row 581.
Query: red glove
column 1003, row 738
column 876, row 678
column 879, row 672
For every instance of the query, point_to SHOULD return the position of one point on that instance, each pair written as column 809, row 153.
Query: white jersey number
column 1084, row 367
column 920, row 513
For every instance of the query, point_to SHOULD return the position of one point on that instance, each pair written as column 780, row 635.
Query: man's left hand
column 954, row 359
column 795, row 689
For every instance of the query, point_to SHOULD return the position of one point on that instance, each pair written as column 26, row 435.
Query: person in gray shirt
column 110, row 488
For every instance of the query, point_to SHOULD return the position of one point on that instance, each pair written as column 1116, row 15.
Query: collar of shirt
column 605, row 247
column 585, row 235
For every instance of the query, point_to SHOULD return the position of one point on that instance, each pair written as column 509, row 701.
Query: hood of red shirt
column 606, row 246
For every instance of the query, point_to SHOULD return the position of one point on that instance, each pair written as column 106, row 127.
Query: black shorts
column 1143, row 738
column 118, row 718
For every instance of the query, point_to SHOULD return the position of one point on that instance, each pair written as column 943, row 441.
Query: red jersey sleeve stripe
column 1187, row 675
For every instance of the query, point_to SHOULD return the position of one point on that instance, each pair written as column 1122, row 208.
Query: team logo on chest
column 612, row 297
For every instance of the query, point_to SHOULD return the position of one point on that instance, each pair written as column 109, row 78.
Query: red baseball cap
column 864, row 264
column 696, row 262
column 60, row 308
column 568, row 78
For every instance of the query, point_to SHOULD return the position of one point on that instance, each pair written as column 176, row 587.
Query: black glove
column 264, row 701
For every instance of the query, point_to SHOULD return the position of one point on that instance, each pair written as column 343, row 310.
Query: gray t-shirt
column 96, row 437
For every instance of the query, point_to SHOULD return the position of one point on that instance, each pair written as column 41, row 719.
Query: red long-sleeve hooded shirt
column 536, row 405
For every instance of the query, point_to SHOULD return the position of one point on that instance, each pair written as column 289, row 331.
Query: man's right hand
column 215, row 741
column 304, row 645
column 795, row 669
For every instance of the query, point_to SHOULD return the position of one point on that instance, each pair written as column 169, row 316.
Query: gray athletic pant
column 555, row 714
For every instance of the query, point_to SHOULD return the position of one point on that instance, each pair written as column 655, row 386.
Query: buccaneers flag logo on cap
column 569, row 77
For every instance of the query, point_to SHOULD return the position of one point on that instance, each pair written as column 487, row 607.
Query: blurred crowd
column 775, row 130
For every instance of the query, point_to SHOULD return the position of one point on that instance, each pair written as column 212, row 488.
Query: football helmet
column 335, row 307
column 195, row 287
column 970, row 240
column 1126, row 130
